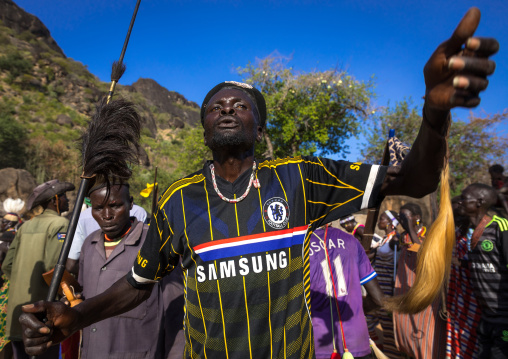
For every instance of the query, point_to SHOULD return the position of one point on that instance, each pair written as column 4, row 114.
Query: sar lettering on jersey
column 315, row 247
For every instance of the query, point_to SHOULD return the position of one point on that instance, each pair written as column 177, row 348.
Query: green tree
column 12, row 138
column 307, row 112
column 473, row 144
column 404, row 117
column 193, row 153
column 179, row 153
column 15, row 64
column 47, row 160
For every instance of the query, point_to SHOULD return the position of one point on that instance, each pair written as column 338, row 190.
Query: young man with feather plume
column 242, row 226
column 107, row 254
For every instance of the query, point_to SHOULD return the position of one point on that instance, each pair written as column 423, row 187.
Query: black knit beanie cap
column 253, row 93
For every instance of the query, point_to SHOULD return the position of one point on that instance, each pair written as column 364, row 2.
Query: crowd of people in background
column 471, row 315
column 348, row 283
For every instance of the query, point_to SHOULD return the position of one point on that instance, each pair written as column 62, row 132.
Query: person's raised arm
column 405, row 223
column 454, row 76
column 63, row 320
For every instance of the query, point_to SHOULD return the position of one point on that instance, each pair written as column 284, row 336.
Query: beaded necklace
column 407, row 238
column 252, row 180
column 469, row 235
column 388, row 237
column 116, row 239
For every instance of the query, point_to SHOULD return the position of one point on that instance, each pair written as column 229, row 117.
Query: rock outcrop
column 15, row 183
column 180, row 110
column 20, row 21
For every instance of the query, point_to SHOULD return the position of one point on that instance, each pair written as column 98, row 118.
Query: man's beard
column 222, row 140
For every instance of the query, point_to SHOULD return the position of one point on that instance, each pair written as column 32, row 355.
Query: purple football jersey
column 351, row 268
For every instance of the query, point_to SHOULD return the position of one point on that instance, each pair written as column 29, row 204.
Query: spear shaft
column 64, row 253
column 114, row 81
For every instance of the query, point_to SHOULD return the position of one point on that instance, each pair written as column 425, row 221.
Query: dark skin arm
column 365, row 242
column 360, row 237
column 63, row 320
column 414, row 236
column 453, row 78
column 371, row 254
column 374, row 298
column 72, row 266
column 411, row 230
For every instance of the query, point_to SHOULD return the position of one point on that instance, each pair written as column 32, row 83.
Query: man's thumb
column 464, row 30
column 36, row 307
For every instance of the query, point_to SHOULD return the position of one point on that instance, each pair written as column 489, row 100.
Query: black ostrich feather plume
column 117, row 71
column 111, row 142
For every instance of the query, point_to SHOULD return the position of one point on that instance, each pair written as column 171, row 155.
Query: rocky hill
column 18, row 20
column 46, row 99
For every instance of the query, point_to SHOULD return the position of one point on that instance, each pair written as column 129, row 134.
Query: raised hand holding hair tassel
column 454, row 75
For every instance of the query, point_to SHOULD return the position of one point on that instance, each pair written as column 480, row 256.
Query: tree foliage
column 15, row 64
column 474, row 144
column 307, row 112
column 177, row 153
column 47, row 160
column 194, row 153
column 12, row 138
column 403, row 117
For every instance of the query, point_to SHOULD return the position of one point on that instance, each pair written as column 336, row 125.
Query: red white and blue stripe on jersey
column 255, row 243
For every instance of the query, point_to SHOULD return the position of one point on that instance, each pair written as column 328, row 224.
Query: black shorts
column 492, row 340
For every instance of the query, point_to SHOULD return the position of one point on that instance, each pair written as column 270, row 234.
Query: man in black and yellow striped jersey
column 487, row 242
column 242, row 225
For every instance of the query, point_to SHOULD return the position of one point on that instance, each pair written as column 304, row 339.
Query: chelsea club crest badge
column 276, row 212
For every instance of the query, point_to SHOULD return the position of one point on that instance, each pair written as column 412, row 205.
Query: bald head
column 483, row 192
